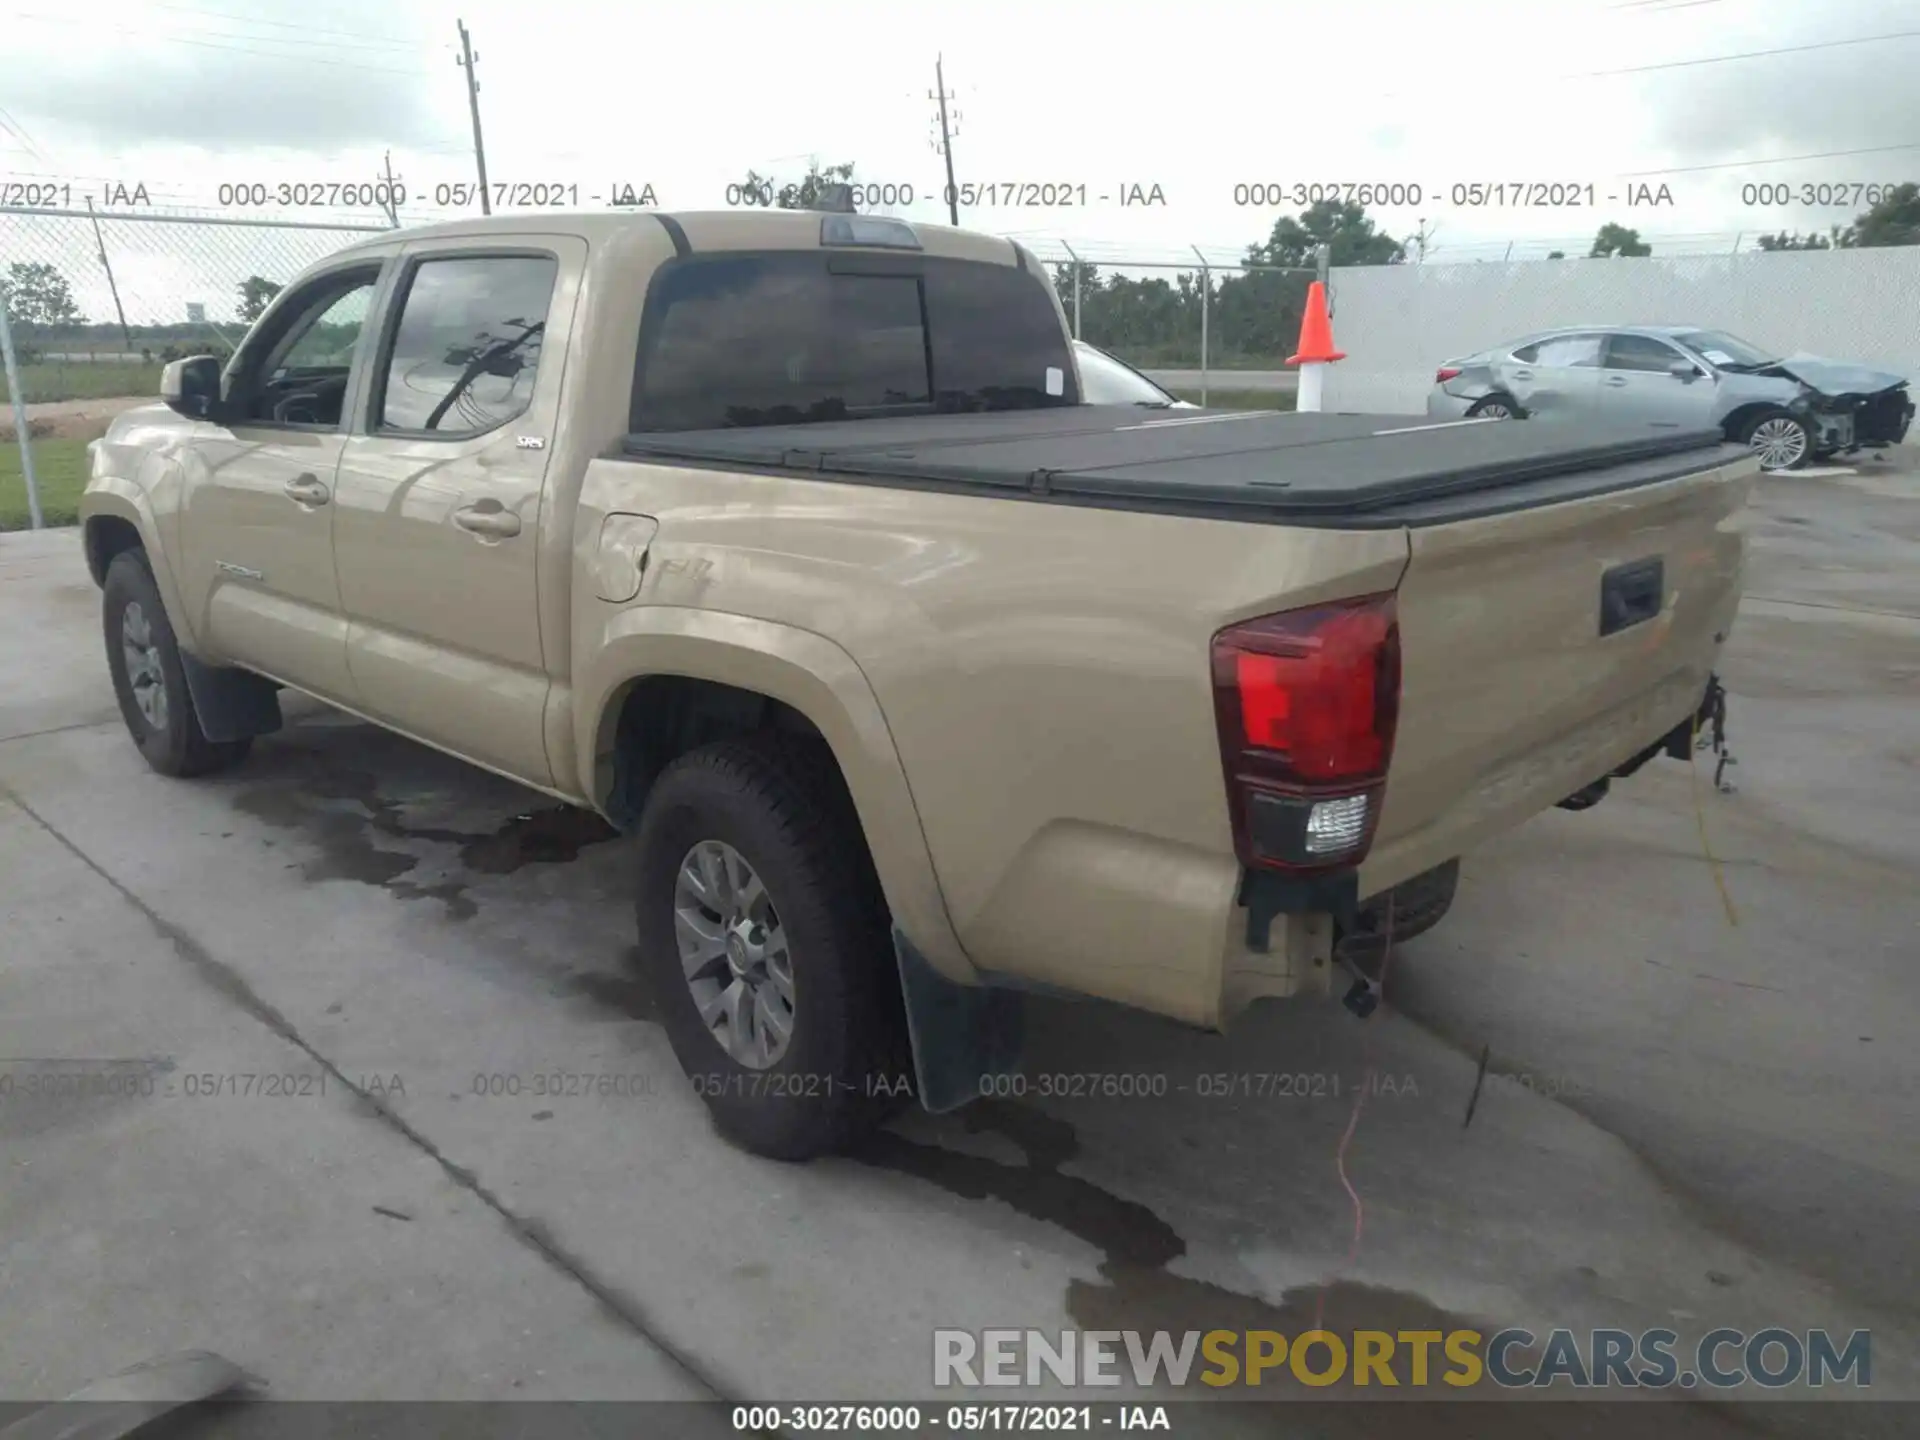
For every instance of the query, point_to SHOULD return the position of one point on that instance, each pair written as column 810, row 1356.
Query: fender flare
column 231, row 704
column 109, row 497
column 817, row 678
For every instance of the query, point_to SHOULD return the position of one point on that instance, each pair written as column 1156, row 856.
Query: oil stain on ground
column 346, row 818
column 1138, row 1291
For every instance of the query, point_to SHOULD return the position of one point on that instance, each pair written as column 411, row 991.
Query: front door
column 437, row 534
column 1639, row 386
column 258, row 577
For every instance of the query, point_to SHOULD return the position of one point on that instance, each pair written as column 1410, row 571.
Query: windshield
column 1107, row 381
column 1724, row 350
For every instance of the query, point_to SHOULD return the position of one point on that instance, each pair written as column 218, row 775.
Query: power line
column 165, row 38
column 1746, row 55
column 391, row 41
column 1777, row 160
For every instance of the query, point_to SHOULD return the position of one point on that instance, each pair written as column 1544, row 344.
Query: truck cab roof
column 695, row 231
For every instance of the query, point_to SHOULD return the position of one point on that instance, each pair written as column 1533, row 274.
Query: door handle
column 307, row 489
column 1616, row 380
column 1523, row 374
column 487, row 519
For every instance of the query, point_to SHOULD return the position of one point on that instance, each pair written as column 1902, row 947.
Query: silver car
column 1107, row 380
column 1790, row 410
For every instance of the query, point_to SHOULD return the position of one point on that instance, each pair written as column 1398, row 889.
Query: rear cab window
column 786, row 338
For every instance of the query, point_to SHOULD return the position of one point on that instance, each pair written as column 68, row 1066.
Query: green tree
column 1793, row 240
column 1343, row 228
column 801, row 194
column 1615, row 239
column 1556, row 254
column 1090, row 283
column 1894, row 221
column 256, row 293
column 38, row 294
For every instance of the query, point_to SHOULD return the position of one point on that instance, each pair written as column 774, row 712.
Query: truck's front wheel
column 765, row 941
column 149, row 680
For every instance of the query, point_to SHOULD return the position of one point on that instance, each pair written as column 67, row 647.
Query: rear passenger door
column 1638, row 385
column 1557, row 377
column 437, row 535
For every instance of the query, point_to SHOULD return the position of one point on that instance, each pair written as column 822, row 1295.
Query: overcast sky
column 1194, row 98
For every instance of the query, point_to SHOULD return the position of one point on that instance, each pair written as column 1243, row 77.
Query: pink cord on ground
column 1353, row 1124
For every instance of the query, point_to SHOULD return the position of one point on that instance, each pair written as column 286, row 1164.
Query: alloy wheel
column 141, row 656
column 734, row 954
column 1780, row 443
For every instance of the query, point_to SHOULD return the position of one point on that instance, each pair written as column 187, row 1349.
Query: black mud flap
column 232, row 704
column 961, row 1034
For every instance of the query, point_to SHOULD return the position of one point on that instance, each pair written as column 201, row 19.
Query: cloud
column 170, row 100
column 132, row 76
column 1851, row 97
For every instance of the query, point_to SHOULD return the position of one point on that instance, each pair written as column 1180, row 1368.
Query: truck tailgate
column 1542, row 647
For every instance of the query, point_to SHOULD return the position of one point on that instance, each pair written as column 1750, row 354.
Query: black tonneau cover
column 1323, row 469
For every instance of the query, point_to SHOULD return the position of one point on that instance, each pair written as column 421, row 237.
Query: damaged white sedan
column 1790, row 410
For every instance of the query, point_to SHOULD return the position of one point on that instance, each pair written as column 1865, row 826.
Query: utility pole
column 390, row 197
column 465, row 61
column 945, row 143
column 126, row 336
column 1421, row 241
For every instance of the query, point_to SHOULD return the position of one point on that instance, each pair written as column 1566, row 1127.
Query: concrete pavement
column 428, row 954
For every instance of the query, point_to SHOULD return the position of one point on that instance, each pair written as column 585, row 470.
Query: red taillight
column 1444, row 374
column 1307, row 701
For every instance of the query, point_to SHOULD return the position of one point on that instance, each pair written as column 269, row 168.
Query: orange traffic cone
column 1316, row 350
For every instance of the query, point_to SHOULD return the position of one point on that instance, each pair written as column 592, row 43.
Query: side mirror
column 1684, row 370
column 191, row 387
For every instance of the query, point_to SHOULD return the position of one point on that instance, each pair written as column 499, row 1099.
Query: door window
column 1562, row 352
column 466, row 351
column 1640, row 352
column 301, row 379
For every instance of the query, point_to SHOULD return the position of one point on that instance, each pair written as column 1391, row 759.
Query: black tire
column 1751, row 427
column 781, row 804
column 1478, row 410
column 176, row 746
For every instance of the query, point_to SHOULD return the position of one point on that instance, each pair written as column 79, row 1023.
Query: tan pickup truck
column 783, row 541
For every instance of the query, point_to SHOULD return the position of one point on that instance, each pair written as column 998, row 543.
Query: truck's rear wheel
column 148, row 679
column 765, row 941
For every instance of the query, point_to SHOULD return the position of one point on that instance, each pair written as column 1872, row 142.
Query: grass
column 60, row 467
column 1240, row 399
column 102, row 380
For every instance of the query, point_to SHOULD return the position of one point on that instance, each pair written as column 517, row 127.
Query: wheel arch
column 1504, row 397
column 115, row 517
column 1737, row 420
column 662, row 680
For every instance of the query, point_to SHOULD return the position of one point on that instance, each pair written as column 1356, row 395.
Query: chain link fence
column 1193, row 323
column 97, row 303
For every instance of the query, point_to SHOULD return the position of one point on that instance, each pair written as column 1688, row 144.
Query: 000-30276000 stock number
column 1464, row 195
